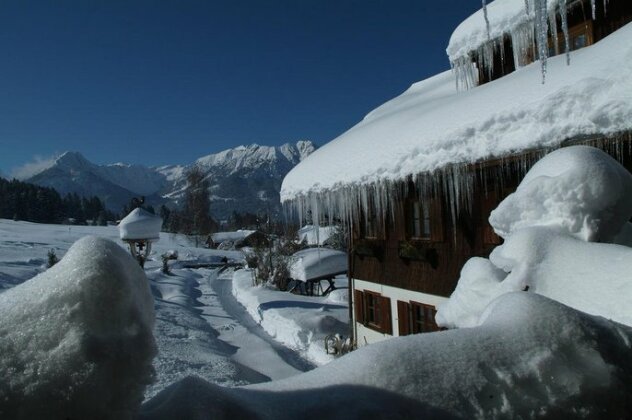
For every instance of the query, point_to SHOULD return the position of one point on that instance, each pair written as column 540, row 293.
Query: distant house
column 416, row 179
column 238, row 239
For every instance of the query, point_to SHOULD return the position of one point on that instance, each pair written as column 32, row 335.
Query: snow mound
column 580, row 190
column 140, row 224
column 77, row 339
column 569, row 199
column 532, row 357
column 590, row 277
column 314, row 263
column 339, row 296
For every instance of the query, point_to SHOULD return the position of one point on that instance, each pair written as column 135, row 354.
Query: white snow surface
column 590, row 277
column 568, row 201
column 312, row 263
column 504, row 17
column 580, row 190
column 431, row 125
column 77, row 339
column 531, row 357
column 299, row 322
column 140, row 224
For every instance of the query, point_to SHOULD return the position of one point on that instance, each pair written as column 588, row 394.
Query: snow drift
column 580, row 190
column 569, row 199
column 531, row 357
column 77, row 339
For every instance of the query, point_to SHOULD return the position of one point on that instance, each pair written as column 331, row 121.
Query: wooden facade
column 583, row 31
column 431, row 265
column 391, row 257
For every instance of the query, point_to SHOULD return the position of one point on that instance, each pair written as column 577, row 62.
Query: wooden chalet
column 406, row 254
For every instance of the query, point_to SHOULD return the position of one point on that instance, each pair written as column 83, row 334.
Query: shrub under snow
column 76, row 340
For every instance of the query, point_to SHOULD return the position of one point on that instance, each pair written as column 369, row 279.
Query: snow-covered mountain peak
column 244, row 178
column 254, row 156
column 70, row 160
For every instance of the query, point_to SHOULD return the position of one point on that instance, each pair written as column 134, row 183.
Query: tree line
column 23, row 201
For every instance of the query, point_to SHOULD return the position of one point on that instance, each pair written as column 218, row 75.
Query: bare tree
column 196, row 215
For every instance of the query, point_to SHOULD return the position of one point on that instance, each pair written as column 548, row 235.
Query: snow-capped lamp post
column 139, row 229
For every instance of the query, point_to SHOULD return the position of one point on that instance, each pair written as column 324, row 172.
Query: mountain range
column 242, row 179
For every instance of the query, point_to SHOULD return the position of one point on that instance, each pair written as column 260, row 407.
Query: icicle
column 465, row 73
column 502, row 53
column 526, row 6
column 489, row 37
column 522, row 39
column 541, row 29
column 593, row 6
column 564, row 19
column 605, row 7
column 485, row 57
column 553, row 27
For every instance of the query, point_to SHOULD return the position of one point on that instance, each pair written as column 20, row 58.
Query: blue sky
column 158, row 82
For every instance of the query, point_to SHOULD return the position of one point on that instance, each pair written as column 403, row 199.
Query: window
column 423, row 318
column 579, row 36
column 373, row 311
column 424, row 220
column 419, row 220
column 415, row 317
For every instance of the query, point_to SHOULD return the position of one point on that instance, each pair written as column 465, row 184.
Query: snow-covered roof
column 140, row 224
column 238, row 235
column 314, row 263
column 504, row 17
column 431, row 125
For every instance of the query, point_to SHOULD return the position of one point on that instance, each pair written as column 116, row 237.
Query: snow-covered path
column 201, row 330
column 255, row 348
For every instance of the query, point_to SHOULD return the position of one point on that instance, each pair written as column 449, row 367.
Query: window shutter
column 403, row 317
column 386, row 321
column 359, row 306
column 430, row 319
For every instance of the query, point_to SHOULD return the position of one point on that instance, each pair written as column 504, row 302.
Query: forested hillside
column 24, row 201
